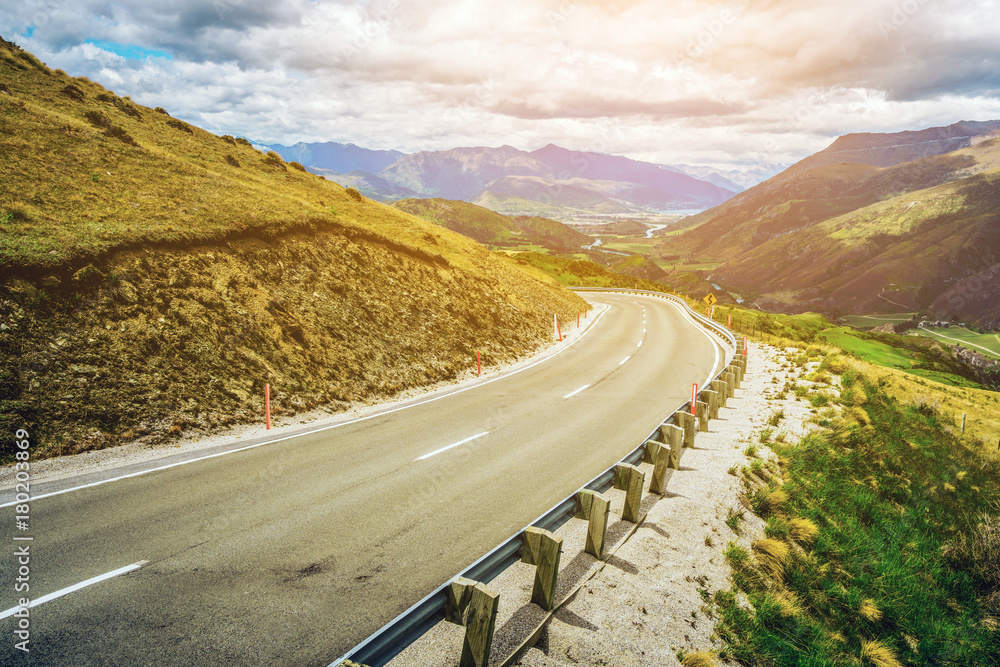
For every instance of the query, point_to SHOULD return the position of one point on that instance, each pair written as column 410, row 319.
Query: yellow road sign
column 710, row 299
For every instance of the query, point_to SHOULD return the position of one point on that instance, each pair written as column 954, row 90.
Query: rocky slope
column 153, row 277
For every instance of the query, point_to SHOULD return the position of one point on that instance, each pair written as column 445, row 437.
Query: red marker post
column 745, row 345
column 694, row 398
column 730, row 325
column 267, row 406
column 578, row 319
column 479, row 364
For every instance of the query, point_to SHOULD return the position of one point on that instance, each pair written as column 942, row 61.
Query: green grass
column 869, row 321
column 984, row 343
column 914, row 355
column 887, row 497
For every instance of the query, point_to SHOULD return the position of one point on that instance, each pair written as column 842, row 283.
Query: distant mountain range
column 875, row 222
column 550, row 181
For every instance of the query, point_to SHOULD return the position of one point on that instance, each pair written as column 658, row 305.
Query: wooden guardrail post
column 741, row 360
column 474, row 605
column 730, row 380
column 595, row 508
column 630, row 479
column 711, row 397
column 722, row 390
column 685, row 420
column 735, row 370
column 661, row 461
column 674, row 436
column 702, row 416
column 541, row 549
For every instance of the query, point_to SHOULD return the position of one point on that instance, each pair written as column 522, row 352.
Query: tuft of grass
column 767, row 503
column 777, row 528
column 765, row 436
column 699, row 659
column 771, row 555
column 819, row 400
column 776, row 418
column 877, row 654
column 977, row 548
column 870, row 611
column 733, row 519
column 802, row 531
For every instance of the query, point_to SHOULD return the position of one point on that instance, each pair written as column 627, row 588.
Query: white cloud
column 688, row 81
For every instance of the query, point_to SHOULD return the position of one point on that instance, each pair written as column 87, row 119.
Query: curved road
column 293, row 552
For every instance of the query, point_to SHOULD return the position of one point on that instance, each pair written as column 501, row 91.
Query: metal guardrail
column 390, row 640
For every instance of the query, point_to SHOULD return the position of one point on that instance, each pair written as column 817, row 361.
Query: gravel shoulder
column 646, row 603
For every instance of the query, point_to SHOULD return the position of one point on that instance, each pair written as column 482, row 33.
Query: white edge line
column 444, row 449
column 589, row 328
column 624, row 360
column 75, row 587
column 574, row 393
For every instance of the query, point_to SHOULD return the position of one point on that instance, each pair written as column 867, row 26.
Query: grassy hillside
column 913, row 355
column 494, row 229
column 584, row 273
column 856, row 237
column 882, row 538
column 154, row 276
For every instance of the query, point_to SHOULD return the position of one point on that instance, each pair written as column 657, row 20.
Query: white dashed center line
column 444, row 449
column 574, row 393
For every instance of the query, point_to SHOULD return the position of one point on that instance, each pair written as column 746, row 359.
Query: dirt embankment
column 149, row 343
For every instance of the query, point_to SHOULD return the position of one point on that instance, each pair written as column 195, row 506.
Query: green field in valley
column 984, row 343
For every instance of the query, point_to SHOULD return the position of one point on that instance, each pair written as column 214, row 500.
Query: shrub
column 97, row 119
column 232, row 161
column 120, row 134
column 244, row 142
column 228, row 138
column 161, row 110
column 180, row 125
column 128, row 109
column 104, row 97
column 73, row 92
column 296, row 165
column 272, row 159
column 354, row 194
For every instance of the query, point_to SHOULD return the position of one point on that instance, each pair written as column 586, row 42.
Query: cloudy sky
column 742, row 82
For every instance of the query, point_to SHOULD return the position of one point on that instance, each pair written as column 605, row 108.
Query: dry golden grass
column 870, row 611
column 699, row 659
column 802, row 531
column 771, row 555
column 788, row 603
column 877, row 654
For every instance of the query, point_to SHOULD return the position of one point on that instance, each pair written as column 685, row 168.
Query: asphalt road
column 293, row 552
